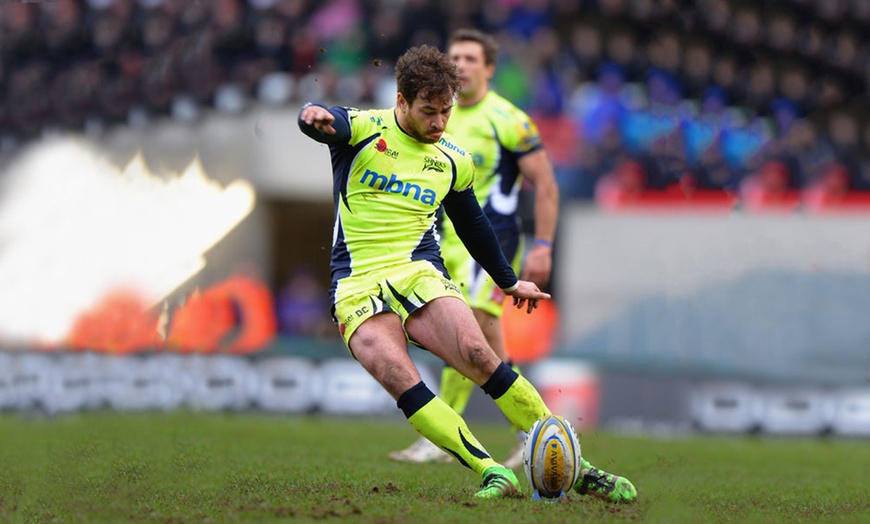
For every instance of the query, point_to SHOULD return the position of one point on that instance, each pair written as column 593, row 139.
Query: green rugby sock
column 455, row 389
column 516, row 397
column 439, row 423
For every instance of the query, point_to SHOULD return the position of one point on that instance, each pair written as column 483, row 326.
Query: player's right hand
column 527, row 294
column 318, row 117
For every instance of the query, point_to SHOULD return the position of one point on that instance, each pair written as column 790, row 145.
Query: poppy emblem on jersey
column 381, row 146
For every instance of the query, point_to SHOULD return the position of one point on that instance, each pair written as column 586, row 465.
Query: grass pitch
column 196, row 467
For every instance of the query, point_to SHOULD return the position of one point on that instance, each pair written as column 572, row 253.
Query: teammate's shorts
column 478, row 288
column 402, row 289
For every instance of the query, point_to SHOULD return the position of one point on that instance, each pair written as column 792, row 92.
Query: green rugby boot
column 498, row 483
column 604, row 485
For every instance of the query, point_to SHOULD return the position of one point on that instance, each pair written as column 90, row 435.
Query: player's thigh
column 447, row 328
column 379, row 344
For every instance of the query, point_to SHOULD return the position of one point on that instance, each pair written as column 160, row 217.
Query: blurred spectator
column 782, row 30
column 761, row 88
column 159, row 82
column 785, row 114
column 27, row 99
column 793, row 83
column 305, row 51
column 663, row 51
column 622, row 49
column 806, row 152
column 651, row 133
column 199, row 69
column 701, row 134
column 269, row 51
column 599, row 109
column 19, row 37
column 812, row 40
column 739, row 145
column 828, row 190
column 863, row 181
column 727, row 75
column 303, row 306
column 548, row 89
column 771, row 188
column 844, row 134
column 746, row 30
column 65, row 33
column 697, row 66
column 528, row 18
column 716, row 15
column 120, row 60
column 385, row 41
column 626, row 184
column 422, row 23
column 586, row 47
column 231, row 39
column 74, row 92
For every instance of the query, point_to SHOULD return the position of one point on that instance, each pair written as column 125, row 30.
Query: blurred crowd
column 632, row 96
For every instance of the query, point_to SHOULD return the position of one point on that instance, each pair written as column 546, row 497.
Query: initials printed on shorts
column 400, row 289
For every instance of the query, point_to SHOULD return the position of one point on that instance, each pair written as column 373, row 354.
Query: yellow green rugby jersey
column 387, row 188
column 497, row 134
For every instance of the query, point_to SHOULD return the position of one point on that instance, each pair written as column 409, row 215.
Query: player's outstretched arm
column 527, row 294
column 328, row 126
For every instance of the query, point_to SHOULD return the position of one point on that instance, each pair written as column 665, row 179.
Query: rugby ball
column 551, row 457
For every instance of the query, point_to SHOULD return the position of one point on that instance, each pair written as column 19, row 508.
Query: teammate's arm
column 328, row 126
column 536, row 168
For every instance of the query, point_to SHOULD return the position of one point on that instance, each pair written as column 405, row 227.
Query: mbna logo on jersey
column 433, row 164
column 451, row 146
column 394, row 184
column 381, row 146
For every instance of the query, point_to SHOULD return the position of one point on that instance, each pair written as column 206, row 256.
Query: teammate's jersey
column 497, row 134
column 387, row 188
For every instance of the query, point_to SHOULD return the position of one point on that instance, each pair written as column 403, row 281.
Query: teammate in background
column 505, row 145
column 392, row 169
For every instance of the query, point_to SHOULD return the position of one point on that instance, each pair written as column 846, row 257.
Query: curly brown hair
column 427, row 73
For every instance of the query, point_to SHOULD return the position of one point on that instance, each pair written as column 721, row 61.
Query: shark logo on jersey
column 381, row 146
column 433, row 164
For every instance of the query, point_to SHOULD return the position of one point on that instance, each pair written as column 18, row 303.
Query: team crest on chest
column 433, row 164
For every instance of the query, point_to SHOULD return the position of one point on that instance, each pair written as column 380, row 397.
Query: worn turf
column 195, row 467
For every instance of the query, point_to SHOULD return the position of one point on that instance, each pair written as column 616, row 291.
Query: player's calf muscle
column 397, row 378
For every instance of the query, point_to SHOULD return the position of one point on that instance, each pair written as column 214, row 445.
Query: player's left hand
column 527, row 294
column 538, row 265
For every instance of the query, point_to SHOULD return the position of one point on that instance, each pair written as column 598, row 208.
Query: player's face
column 474, row 73
column 425, row 118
